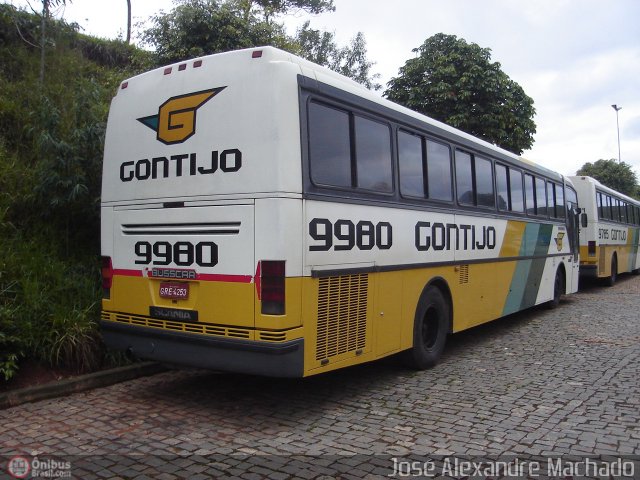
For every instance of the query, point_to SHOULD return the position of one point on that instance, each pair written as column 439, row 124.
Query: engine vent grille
column 342, row 315
column 464, row 274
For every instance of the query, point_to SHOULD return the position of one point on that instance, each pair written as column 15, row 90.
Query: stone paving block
column 537, row 383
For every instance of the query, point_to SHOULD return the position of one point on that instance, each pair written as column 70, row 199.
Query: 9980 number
column 184, row 254
column 364, row 235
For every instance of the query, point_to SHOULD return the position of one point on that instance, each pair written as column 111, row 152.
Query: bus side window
column 439, row 171
column 541, row 197
column 484, row 183
column 560, row 210
column 615, row 209
column 373, row 155
column 551, row 200
column 329, row 146
column 502, row 186
column 464, row 179
column 530, row 194
column 410, row 158
column 515, row 190
column 599, row 204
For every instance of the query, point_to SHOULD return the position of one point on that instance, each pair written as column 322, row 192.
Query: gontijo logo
column 176, row 118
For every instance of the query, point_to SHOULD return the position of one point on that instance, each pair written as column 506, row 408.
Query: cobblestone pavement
column 558, row 382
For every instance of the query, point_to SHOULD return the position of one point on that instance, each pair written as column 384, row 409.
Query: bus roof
column 604, row 188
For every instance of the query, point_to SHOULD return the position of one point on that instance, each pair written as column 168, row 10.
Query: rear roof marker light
column 124, row 85
column 182, row 67
column 256, row 54
column 197, row 63
column 167, row 70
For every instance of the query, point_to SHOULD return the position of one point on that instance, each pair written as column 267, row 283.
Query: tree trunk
column 128, row 21
column 43, row 40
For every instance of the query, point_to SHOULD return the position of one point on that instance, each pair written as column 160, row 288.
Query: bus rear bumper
column 284, row 359
column 589, row 271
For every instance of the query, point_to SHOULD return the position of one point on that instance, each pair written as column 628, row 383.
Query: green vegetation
column 51, row 139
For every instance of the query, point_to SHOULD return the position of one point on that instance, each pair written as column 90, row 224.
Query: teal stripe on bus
column 528, row 273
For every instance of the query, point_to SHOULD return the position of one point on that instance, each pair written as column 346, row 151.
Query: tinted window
column 484, row 183
column 410, row 158
column 572, row 198
column 623, row 211
column 551, row 200
column 599, row 202
column 560, row 210
column 502, row 186
column 464, row 182
column 515, row 189
column 329, row 146
column 530, row 195
column 439, row 171
column 373, row 155
column 541, row 197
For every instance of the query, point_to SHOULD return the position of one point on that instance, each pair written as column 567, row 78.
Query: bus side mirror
column 583, row 220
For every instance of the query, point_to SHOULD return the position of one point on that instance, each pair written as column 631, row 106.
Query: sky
column 575, row 58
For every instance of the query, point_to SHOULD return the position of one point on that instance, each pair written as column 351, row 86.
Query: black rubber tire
column 430, row 329
column 611, row 280
column 558, row 289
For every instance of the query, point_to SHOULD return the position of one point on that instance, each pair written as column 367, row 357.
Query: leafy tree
column 455, row 82
column 270, row 8
column 321, row 47
column 202, row 27
column 617, row 175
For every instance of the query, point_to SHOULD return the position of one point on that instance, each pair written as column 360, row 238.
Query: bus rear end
column 193, row 178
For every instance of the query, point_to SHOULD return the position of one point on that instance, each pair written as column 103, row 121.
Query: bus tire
column 430, row 329
column 611, row 280
column 558, row 289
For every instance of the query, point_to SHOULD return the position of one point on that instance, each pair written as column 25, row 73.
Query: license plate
column 174, row 291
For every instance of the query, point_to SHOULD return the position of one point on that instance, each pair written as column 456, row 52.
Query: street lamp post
column 617, row 109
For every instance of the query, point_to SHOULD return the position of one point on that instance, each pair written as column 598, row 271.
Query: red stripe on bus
column 206, row 277
column 216, row 277
column 127, row 273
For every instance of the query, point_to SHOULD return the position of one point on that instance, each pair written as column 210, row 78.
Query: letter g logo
column 176, row 118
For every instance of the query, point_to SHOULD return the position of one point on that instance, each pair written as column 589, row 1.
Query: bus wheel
column 558, row 289
column 430, row 329
column 610, row 282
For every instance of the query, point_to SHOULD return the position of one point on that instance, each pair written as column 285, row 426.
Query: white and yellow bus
column 262, row 214
column 610, row 235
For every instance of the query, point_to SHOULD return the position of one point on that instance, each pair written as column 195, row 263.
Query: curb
column 80, row 383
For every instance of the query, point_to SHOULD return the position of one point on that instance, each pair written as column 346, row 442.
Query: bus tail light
column 592, row 248
column 271, row 288
column 107, row 277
